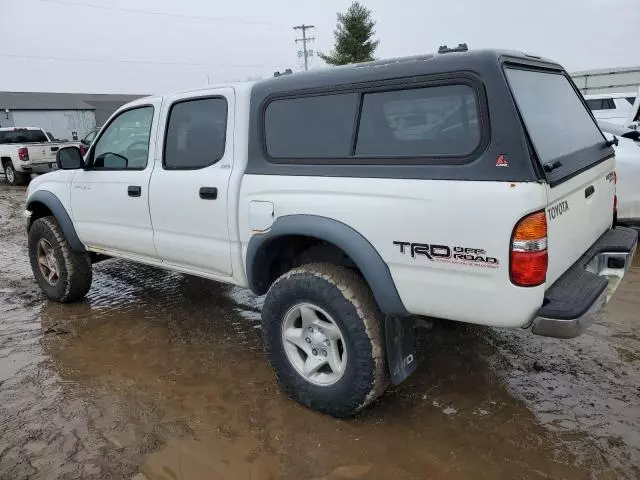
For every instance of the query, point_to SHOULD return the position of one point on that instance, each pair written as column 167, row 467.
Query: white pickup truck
column 27, row 150
column 470, row 186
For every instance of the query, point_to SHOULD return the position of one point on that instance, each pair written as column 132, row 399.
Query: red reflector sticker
column 501, row 161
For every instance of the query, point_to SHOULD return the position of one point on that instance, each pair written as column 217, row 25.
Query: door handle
column 134, row 190
column 589, row 191
column 208, row 193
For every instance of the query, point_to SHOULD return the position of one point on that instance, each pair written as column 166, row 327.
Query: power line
column 163, row 14
column 305, row 51
column 145, row 62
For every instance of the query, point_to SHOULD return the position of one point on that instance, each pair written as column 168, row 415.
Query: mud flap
column 401, row 347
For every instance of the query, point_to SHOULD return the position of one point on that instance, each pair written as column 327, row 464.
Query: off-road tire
column 75, row 267
column 344, row 295
column 11, row 176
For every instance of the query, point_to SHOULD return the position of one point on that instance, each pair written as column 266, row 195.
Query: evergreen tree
column 354, row 37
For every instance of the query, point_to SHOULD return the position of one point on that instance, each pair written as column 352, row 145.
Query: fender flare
column 54, row 204
column 358, row 248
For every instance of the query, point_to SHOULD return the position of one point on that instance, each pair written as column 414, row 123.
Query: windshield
column 557, row 121
column 22, row 136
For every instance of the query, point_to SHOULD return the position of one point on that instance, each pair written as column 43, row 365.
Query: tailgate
column 43, row 152
column 574, row 158
column 579, row 211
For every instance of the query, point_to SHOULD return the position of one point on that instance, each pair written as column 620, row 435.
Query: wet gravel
column 164, row 374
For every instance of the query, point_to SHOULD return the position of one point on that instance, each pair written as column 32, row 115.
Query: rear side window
column 601, row 104
column 196, row 134
column 631, row 100
column 553, row 113
column 427, row 122
column 594, row 104
column 311, row 127
column 432, row 121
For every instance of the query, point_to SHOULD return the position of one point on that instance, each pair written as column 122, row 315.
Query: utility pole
column 305, row 52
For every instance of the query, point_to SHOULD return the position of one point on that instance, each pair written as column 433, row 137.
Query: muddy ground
column 164, row 374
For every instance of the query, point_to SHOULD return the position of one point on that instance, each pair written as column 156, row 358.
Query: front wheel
column 323, row 334
column 62, row 274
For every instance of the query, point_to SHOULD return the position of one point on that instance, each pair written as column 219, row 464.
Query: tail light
column 529, row 258
column 23, row 154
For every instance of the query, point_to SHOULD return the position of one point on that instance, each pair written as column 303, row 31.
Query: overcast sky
column 150, row 46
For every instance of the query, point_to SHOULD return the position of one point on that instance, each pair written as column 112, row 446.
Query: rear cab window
column 563, row 132
column 22, row 135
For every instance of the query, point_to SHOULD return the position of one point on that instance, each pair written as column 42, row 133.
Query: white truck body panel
column 389, row 210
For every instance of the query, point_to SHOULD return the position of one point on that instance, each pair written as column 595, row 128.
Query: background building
column 608, row 80
column 66, row 115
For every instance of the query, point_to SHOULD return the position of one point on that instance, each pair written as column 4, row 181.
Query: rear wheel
column 11, row 176
column 62, row 274
column 323, row 335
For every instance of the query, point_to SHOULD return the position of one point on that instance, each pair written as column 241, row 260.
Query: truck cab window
column 23, row 135
column 196, row 134
column 125, row 142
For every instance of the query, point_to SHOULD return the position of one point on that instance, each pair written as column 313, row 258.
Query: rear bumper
column 37, row 167
column 577, row 298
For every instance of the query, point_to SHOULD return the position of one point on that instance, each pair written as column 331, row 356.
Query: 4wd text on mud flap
column 444, row 253
column 558, row 209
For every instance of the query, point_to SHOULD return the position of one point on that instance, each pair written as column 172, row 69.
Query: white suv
column 469, row 186
column 616, row 108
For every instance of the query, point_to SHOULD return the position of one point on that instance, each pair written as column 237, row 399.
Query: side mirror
column 69, row 158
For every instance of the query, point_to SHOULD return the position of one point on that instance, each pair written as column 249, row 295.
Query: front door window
column 124, row 145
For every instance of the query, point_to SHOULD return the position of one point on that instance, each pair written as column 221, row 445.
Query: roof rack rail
column 462, row 47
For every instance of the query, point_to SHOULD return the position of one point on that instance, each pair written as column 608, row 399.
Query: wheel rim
column 314, row 344
column 47, row 262
column 10, row 175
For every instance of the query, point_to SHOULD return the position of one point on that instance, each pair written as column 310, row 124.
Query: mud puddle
column 164, row 375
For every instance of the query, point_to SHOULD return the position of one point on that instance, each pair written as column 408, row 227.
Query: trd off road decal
column 476, row 257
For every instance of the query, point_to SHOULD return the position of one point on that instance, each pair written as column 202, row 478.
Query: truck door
column 188, row 190
column 109, row 199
